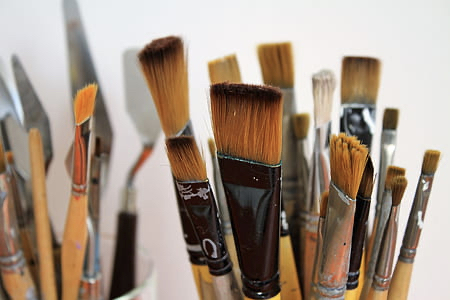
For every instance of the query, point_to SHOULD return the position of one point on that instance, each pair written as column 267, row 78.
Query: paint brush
column 224, row 69
column 277, row 66
column 348, row 158
column 189, row 170
column 403, row 269
column 360, row 80
column 75, row 231
column 247, row 122
column 383, row 270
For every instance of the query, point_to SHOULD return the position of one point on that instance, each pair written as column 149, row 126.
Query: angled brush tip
column 390, row 118
column 399, row 184
column 84, row 103
column 324, row 204
column 157, row 49
column 224, row 69
column 185, row 159
column 430, row 161
column 367, row 180
column 277, row 64
column 391, row 173
column 301, row 125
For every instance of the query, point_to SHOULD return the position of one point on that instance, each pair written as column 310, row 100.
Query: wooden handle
column 351, row 295
column 41, row 218
column 377, row 295
column 277, row 297
column 233, row 256
column 400, row 281
column 74, row 246
column 203, row 281
column 290, row 288
column 19, row 285
column 310, row 242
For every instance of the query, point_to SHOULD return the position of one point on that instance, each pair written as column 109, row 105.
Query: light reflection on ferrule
column 407, row 255
column 12, row 263
column 381, row 283
column 79, row 190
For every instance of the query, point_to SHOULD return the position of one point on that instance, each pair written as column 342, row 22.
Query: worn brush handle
column 233, row 256
column 290, row 288
column 203, row 281
column 19, row 284
column 41, row 218
column 276, row 297
column 400, row 281
column 377, row 295
column 123, row 279
column 310, row 241
column 74, row 247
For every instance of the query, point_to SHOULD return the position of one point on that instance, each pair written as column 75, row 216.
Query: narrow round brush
column 224, row 69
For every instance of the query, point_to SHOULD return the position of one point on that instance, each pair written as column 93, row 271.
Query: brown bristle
column 165, row 69
column 390, row 118
column 324, row 204
column 224, row 69
column 399, row 184
column 348, row 159
column 212, row 147
column 392, row 171
column 367, row 181
column 185, row 159
column 430, row 161
column 84, row 103
column 247, row 121
column 10, row 157
column 324, row 84
column 301, row 125
column 277, row 64
column 3, row 160
column 360, row 80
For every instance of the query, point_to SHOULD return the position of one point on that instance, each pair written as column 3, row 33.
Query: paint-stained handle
column 377, row 295
column 308, row 261
column 400, row 281
column 290, row 288
column 19, row 284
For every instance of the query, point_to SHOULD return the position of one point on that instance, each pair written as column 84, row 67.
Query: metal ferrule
column 383, row 271
column 337, row 239
column 309, row 221
column 303, row 175
column 129, row 199
column 90, row 270
column 9, row 235
column 221, row 199
column 81, row 158
column 359, row 120
column 187, row 130
column 318, row 258
column 91, row 288
column 416, row 219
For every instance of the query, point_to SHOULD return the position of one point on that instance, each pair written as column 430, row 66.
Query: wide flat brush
column 224, row 69
column 247, row 123
column 75, row 231
column 360, row 80
column 403, row 269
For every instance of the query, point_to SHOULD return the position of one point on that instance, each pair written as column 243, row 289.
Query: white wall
column 411, row 38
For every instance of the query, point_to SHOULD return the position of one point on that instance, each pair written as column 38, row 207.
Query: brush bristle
column 348, row 159
column 324, row 204
column 367, row 181
column 84, row 103
column 164, row 66
column 324, row 84
column 10, row 157
column 390, row 118
column 3, row 160
column 224, row 69
column 212, row 147
column 247, row 121
column 301, row 125
column 277, row 64
column 399, row 184
column 430, row 162
column 391, row 173
column 185, row 159
column 360, row 80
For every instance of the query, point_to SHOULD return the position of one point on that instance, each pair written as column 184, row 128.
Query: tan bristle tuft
column 393, row 171
column 430, row 161
column 84, row 103
column 3, row 160
column 212, row 147
column 164, row 66
column 399, row 184
column 324, row 204
column 360, row 80
column 301, row 125
column 185, row 159
column 277, row 64
column 224, row 69
column 390, row 118
column 348, row 159
column 367, row 180
column 324, row 84
column 247, row 121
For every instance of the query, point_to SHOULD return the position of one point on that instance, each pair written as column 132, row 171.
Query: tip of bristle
column 324, row 83
column 185, row 159
column 430, row 161
column 391, row 173
column 84, row 103
column 301, row 125
column 399, row 184
column 367, row 182
column 360, row 80
column 212, row 147
column 348, row 159
column 277, row 64
column 324, row 204
column 224, row 69
column 158, row 48
column 390, row 118
column 247, row 121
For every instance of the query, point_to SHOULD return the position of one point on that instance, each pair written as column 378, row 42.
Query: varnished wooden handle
column 351, row 295
column 204, row 282
column 377, row 295
column 42, row 221
column 290, row 288
column 19, row 284
column 400, row 281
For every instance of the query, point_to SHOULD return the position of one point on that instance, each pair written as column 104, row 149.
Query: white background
column 410, row 37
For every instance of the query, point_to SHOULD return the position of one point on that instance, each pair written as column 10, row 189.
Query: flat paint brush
column 360, row 79
column 75, row 231
column 383, row 270
column 189, row 170
column 247, row 122
column 348, row 158
column 224, row 69
column 277, row 66
column 403, row 269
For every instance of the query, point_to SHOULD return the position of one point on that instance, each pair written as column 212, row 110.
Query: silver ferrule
column 220, row 198
column 383, row 271
column 302, row 174
column 129, row 199
column 337, row 239
column 226, row 288
column 90, row 270
column 416, row 219
column 9, row 234
column 81, row 158
column 318, row 257
column 309, row 221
